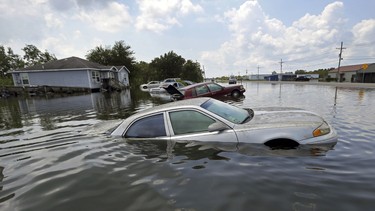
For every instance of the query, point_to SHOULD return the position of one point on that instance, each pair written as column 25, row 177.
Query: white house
column 71, row 72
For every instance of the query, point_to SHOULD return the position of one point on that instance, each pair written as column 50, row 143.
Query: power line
column 366, row 44
column 359, row 58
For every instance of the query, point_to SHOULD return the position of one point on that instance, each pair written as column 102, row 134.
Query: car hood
column 272, row 117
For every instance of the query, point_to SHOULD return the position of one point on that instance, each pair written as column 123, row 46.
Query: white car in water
column 210, row 120
column 150, row 85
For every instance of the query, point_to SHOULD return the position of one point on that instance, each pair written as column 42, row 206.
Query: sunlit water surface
column 54, row 156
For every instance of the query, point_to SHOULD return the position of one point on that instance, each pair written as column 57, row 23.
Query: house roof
column 349, row 68
column 67, row 63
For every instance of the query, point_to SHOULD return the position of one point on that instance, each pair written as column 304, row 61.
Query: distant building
column 366, row 75
column 280, row 77
column 258, row 77
column 346, row 74
column 310, row 76
column 71, row 72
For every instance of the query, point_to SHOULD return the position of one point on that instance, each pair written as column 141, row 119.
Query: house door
column 342, row 78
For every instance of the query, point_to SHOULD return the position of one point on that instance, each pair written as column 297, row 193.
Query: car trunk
column 175, row 93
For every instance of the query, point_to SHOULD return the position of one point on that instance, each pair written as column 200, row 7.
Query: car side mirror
column 217, row 126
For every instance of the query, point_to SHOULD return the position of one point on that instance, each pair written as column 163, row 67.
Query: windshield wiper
column 246, row 119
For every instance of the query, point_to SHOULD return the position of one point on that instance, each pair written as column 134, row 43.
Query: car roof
column 190, row 103
column 196, row 84
column 177, row 104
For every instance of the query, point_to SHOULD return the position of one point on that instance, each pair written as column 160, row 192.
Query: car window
column 214, row 87
column 189, row 122
column 148, row 127
column 201, row 90
column 229, row 112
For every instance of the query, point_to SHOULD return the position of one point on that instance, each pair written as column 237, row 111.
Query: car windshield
column 228, row 112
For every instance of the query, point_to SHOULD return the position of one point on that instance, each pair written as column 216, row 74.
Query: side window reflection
column 189, row 122
column 201, row 90
column 147, row 127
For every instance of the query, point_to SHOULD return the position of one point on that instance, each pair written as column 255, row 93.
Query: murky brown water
column 54, row 156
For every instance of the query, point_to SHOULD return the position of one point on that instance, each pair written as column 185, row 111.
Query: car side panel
column 262, row 135
column 225, row 140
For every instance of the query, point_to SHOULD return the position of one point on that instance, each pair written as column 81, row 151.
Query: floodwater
column 55, row 156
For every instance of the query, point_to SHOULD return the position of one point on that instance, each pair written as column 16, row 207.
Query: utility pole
column 258, row 72
column 203, row 73
column 340, row 58
column 281, row 69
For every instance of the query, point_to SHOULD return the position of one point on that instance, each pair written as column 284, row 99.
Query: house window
column 95, row 76
column 25, row 78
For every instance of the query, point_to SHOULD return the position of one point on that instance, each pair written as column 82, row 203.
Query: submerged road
column 342, row 84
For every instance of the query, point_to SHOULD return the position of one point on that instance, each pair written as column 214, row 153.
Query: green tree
column 192, row 71
column 100, row 55
column 118, row 55
column 121, row 54
column 9, row 61
column 169, row 65
column 300, row 72
column 141, row 74
column 34, row 56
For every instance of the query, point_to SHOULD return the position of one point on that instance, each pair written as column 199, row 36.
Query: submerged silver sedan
column 210, row 120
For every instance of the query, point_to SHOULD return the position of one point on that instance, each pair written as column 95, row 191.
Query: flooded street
column 54, row 155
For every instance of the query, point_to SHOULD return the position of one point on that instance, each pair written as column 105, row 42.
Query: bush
column 6, row 81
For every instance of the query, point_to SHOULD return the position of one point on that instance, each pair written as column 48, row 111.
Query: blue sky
column 226, row 37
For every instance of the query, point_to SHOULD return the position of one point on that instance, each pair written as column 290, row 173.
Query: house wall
column 123, row 77
column 344, row 75
column 75, row 78
column 332, row 75
column 347, row 77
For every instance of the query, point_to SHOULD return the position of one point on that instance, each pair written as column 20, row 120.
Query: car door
column 216, row 89
column 192, row 126
column 203, row 91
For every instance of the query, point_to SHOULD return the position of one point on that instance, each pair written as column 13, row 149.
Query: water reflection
column 19, row 112
column 195, row 150
column 53, row 157
column 166, row 149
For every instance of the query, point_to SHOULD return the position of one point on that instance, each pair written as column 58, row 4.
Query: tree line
column 169, row 65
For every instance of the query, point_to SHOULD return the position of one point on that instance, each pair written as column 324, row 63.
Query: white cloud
column 112, row 18
column 364, row 32
column 160, row 15
column 227, row 36
column 52, row 21
column 259, row 40
column 363, row 40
